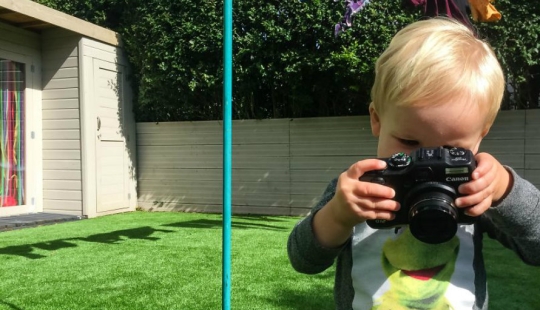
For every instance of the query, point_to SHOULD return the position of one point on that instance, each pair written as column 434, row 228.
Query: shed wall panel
column 55, row 104
column 63, row 185
column 62, row 164
column 67, row 134
column 61, row 154
column 62, row 175
column 63, row 83
column 17, row 36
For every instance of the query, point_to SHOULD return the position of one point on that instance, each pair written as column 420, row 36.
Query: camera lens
column 433, row 217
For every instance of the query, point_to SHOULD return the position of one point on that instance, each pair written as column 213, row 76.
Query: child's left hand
column 490, row 183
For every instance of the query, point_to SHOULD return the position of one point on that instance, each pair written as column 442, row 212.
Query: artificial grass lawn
column 144, row 260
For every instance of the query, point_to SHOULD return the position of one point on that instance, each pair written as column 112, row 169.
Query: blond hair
column 435, row 61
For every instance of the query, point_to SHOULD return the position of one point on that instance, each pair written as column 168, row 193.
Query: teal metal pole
column 227, row 153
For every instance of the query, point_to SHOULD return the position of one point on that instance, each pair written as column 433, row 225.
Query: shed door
column 111, row 148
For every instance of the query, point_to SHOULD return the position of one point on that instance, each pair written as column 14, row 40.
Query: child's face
column 403, row 129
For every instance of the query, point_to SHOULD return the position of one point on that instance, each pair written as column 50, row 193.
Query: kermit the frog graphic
column 418, row 273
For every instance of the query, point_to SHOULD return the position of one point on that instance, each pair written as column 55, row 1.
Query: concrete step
column 34, row 219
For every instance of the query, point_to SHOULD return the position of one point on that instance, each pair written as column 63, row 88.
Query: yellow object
column 484, row 11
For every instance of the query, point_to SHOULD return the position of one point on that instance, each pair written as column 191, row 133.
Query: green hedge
column 287, row 62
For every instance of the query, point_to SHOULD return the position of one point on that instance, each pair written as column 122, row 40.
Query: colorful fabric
column 12, row 155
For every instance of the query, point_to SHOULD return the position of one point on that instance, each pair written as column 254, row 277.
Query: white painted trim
column 38, row 129
column 62, row 20
column 88, row 130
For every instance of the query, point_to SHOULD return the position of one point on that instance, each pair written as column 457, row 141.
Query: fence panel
column 282, row 166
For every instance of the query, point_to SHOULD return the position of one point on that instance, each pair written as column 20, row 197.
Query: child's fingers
column 377, row 204
column 475, row 186
column 474, row 199
column 376, row 215
column 373, row 208
column 368, row 189
column 483, row 177
column 361, row 167
column 485, row 164
column 479, row 208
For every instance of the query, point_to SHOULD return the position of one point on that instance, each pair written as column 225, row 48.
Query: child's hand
column 490, row 183
column 356, row 201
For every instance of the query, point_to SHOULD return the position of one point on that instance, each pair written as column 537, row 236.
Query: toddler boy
column 435, row 85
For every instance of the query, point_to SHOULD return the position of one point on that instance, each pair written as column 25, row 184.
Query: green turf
column 160, row 260
column 154, row 261
column 512, row 284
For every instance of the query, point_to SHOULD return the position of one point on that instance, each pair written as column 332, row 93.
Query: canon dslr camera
column 426, row 185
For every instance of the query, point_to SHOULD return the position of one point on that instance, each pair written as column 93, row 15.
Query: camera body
column 426, row 184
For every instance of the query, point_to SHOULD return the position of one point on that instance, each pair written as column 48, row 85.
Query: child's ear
column 482, row 135
column 375, row 121
column 485, row 131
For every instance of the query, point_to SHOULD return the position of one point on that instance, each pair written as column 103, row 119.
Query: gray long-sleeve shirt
column 386, row 269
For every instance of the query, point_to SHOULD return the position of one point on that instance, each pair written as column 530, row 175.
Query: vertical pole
column 227, row 153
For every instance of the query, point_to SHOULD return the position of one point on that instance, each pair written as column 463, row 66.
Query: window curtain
column 12, row 152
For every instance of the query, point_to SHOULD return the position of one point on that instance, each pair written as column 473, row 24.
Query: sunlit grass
column 154, row 261
column 146, row 260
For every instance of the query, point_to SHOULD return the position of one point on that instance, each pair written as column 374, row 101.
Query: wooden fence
column 281, row 166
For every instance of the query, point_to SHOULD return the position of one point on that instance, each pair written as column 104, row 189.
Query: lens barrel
column 433, row 218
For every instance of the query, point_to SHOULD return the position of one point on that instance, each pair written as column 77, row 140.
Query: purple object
column 352, row 8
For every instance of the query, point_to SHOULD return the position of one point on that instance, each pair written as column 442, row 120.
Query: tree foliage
column 515, row 39
column 287, row 62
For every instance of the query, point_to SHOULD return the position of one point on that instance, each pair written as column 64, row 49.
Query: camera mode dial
column 399, row 160
column 457, row 151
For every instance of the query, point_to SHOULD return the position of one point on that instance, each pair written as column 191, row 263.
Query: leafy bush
column 287, row 62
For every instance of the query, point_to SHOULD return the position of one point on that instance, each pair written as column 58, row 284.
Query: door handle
column 98, row 123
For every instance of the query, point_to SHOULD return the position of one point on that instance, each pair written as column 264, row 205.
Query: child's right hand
column 356, row 201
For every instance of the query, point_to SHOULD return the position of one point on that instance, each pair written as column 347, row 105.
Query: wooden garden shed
column 67, row 138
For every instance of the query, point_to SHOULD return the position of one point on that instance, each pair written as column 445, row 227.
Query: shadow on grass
column 139, row 233
column 10, row 305
column 319, row 295
column 218, row 224
column 261, row 218
column 301, row 300
column 113, row 237
column 142, row 233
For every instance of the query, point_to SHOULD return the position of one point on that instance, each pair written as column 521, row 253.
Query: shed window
column 12, row 146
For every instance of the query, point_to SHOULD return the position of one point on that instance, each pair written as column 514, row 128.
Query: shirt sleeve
column 515, row 221
column 305, row 252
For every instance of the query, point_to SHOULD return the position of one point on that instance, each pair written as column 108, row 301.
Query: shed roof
column 33, row 16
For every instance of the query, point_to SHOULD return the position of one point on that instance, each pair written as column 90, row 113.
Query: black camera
column 426, row 185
